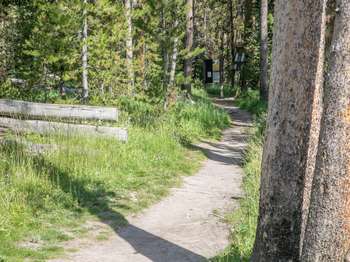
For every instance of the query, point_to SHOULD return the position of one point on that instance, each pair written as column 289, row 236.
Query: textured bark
column 264, row 51
column 295, row 83
column 85, row 55
column 189, row 45
column 129, row 45
column 327, row 236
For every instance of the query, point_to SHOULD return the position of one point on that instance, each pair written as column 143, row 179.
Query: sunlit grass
column 46, row 195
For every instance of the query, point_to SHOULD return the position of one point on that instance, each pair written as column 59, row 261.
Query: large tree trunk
column 85, row 54
column 189, row 45
column 327, row 237
column 264, row 50
column 296, row 82
column 129, row 46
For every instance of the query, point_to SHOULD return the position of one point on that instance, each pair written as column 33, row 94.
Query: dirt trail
column 187, row 226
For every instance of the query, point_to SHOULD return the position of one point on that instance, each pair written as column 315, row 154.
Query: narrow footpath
column 188, row 225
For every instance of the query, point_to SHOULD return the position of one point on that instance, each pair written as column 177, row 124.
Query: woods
column 147, row 72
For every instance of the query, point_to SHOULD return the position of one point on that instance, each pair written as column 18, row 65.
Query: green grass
column 45, row 198
column 214, row 90
column 244, row 220
column 252, row 103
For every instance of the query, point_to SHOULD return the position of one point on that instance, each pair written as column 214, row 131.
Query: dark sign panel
column 208, row 71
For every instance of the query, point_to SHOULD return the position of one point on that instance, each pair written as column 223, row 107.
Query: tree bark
column 173, row 63
column 264, row 51
column 327, row 237
column 296, row 81
column 85, row 94
column 129, row 46
column 172, row 74
column 222, row 64
column 189, row 45
column 232, row 44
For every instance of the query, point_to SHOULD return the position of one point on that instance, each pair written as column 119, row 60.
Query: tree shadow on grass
column 100, row 203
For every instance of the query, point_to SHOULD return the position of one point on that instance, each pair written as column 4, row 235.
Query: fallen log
column 44, row 127
column 45, row 111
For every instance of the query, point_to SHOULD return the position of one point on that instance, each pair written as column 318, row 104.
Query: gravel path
column 187, row 225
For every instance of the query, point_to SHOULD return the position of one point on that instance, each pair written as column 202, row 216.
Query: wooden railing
column 21, row 116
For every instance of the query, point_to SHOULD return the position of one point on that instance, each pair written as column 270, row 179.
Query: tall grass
column 47, row 194
column 228, row 91
column 251, row 102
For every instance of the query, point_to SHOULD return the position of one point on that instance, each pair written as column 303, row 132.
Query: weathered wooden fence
column 21, row 116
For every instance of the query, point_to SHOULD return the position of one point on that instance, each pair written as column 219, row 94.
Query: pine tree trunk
column 165, row 54
column 232, row 44
column 327, row 237
column 171, row 84
column 222, row 64
column 296, row 81
column 189, row 45
column 173, row 63
column 129, row 46
column 264, row 51
column 85, row 55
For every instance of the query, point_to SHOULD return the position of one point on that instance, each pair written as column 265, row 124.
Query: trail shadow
column 230, row 153
column 217, row 154
column 99, row 202
column 239, row 116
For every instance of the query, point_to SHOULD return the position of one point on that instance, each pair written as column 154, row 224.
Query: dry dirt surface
column 188, row 225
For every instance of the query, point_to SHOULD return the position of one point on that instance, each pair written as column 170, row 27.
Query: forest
column 174, row 130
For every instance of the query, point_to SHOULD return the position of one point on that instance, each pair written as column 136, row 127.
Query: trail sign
column 208, row 71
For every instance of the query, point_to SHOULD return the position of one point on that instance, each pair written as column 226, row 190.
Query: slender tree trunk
column 327, row 237
column 189, row 45
column 222, row 64
column 296, row 82
column 248, row 28
column 129, row 46
column 173, row 63
column 85, row 55
column 165, row 54
column 264, row 51
column 232, row 44
column 172, row 73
